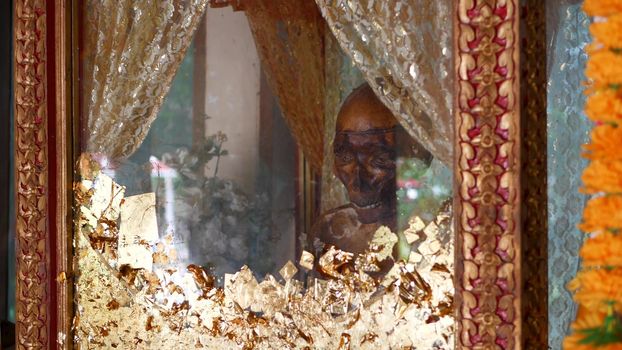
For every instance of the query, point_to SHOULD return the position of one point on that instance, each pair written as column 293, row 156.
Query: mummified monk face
column 365, row 152
column 367, row 141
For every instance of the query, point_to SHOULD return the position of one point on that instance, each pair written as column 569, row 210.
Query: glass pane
column 216, row 211
column 568, row 129
column 7, row 216
column 11, row 232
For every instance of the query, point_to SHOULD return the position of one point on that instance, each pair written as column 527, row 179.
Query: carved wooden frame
column 500, row 174
column 500, row 92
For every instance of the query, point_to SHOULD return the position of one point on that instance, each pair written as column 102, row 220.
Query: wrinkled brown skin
column 365, row 147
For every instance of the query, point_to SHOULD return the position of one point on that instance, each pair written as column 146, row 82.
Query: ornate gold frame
column 487, row 159
column 500, row 172
column 500, row 92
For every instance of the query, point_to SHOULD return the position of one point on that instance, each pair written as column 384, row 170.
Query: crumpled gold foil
column 332, row 260
column 170, row 307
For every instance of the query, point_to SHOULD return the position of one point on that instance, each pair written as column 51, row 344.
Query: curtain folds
column 289, row 35
column 567, row 128
column 131, row 51
column 342, row 77
column 403, row 48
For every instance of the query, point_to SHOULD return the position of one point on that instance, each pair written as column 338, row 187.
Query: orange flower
column 604, row 106
column 609, row 32
column 603, row 176
column 605, row 68
column 602, row 7
column 598, row 286
column 606, row 143
column 595, row 288
column 602, row 213
column 585, row 320
column 593, row 48
column 573, row 342
column 604, row 249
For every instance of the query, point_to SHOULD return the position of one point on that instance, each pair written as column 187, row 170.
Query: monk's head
column 367, row 141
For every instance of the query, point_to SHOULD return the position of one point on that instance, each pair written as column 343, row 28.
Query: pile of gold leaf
column 149, row 302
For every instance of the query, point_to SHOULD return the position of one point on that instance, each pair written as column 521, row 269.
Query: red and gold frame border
column 42, row 154
column 498, row 304
column 31, row 173
column 500, row 171
column 486, row 170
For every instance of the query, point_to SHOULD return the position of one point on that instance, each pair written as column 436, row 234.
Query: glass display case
column 298, row 174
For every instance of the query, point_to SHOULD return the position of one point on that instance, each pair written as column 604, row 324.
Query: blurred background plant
column 223, row 227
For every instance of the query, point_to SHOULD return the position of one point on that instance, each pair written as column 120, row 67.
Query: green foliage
column 174, row 122
column 421, row 190
column 610, row 332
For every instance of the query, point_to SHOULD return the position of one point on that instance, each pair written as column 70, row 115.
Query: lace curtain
column 567, row 129
column 342, row 77
column 403, row 48
column 131, row 51
column 289, row 35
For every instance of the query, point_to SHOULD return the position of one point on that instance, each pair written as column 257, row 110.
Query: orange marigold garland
column 597, row 287
column 606, row 143
column 604, row 106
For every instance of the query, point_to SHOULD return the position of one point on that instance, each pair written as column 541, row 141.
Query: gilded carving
column 487, row 165
column 31, row 176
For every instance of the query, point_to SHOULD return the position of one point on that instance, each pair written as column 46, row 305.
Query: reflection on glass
column 225, row 197
column 200, row 218
column 11, row 244
column 567, row 130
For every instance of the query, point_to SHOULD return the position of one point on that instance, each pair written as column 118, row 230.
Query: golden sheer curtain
column 131, row 51
column 289, row 35
column 403, row 48
column 341, row 78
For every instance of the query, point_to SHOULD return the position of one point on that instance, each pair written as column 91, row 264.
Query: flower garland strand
column 597, row 287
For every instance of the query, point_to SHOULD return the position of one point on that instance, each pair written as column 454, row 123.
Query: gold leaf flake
column 344, row 342
column 288, row 271
column 138, row 225
column 112, row 305
column 431, row 231
column 306, row 260
column 382, row 242
column 414, row 257
column 187, row 310
column 204, row 281
column 62, row 277
column 333, row 259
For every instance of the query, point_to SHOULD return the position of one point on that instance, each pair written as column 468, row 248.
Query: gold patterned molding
column 487, row 172
column 42, row 154
column 31, row 174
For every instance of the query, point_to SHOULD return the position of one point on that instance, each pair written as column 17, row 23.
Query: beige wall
column 232, row 103
column 233, row 93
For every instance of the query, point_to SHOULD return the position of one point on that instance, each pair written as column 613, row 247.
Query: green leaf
column 610, row 332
